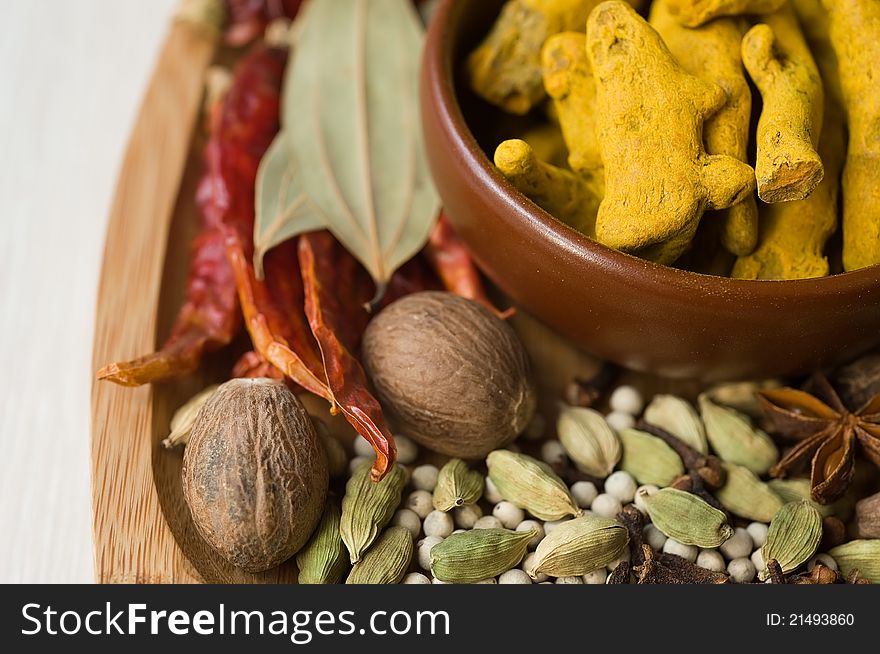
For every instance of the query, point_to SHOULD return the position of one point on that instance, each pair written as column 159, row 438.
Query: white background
column 72, row 73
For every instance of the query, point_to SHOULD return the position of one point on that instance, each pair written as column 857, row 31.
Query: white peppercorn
column 490, row 492
column 423, row 550
column 758, row 532
column 620, row 484
column 742, row 571
column 407, row 450
column 515, row 576
column 488, row 522
column 357, row 462
column 825, row 559
column 465, row 516
column 738, row 546
column 689, row 552
column 434, row 580
column 606, row 505
column 459, row 531
column 408, row 519
column 757, row 559
column 509, row 514
column 553, row 452
column 626, row 399
column 711, row 560
column 363, row 448
column 420, row 502
column 529, row 525
column 654, row 537
column 569, row 580
column 596, row 577
column 424, row 477
column 645, row 490
column 618, row 421
column 527, row 561
column 438, row 523
column 584, row 492
column 416, row 578
column 616, row 562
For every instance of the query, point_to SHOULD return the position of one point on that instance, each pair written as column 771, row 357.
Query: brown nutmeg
column 451, row 375
column 254, row 473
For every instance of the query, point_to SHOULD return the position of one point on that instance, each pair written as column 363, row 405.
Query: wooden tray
column 141, row 526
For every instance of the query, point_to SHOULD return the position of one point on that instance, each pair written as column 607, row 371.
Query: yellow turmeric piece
column 793, row 234
column 694, row 13
column 855, row 35
column 505, row 69
column 561, row 193
column 712, row 53
column 814, row 20
column 779, row 62
column 650, row 115
column 569, row 81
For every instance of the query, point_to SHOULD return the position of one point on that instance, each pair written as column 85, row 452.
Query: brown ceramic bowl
column 638, row 314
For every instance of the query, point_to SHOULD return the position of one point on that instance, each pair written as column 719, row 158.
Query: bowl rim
column 440, row 79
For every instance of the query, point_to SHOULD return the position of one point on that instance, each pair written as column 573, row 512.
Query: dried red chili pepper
column 274, row 315
column 453, row 264
column 252, row 364
column 336, row 291
column 248, row 18
column 209, row 317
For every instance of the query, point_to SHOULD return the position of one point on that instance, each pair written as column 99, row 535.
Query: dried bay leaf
column 351, row 123
column 283, row 208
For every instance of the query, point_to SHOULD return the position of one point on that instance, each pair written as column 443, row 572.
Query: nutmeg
column 449, row 373
column 254, row 473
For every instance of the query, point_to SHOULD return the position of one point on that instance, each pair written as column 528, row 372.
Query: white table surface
column 72, row 73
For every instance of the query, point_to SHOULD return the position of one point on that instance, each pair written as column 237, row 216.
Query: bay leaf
column 283, row 209
column 351, row 121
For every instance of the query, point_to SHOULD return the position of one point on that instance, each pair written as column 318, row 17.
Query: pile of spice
column 644, row 133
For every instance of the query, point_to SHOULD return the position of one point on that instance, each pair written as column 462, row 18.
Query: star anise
column 827, row 434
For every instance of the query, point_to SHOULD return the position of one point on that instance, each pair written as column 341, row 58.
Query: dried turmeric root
column 694, row 13
column 793, row 234
column 569, row 81
column 779, row 62
column 712, row 53
column 561, row 193
column 855, row 35
column 505, row 69
column 658, row 177
column 548, row 143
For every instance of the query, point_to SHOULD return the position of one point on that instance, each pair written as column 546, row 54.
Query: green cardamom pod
column 862, row 555
column 323, row 560
column 387, row 559
column 185, row 417
column 531, row 485
column 368, row 506
column 745, row 495
column 457, row 485
column 579, row 546
column 794, row 490
column 793, row 537
column 471, row 556
column 588, row 440
column 735, row 440
column 649, row 459
column 679, row 418
column 686, row 518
